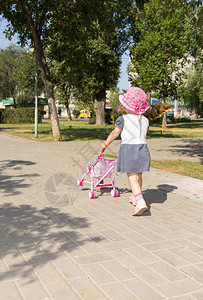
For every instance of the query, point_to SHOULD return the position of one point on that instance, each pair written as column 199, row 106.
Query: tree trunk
column 148, row 98
column 68, row 111
column 36, row 34
column 99, row 105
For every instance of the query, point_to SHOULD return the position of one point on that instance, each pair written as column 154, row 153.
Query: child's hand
column 103, row 146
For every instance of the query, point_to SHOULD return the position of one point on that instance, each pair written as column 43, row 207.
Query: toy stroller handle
column 103, row 150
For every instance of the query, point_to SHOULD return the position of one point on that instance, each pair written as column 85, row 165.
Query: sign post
column 36, row 96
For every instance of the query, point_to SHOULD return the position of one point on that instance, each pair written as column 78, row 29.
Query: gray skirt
column 133, row 158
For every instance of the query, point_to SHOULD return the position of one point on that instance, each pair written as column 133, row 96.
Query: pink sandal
column 132, row 200
column 140, row 208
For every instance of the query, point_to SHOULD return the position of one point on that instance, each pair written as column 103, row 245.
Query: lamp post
column 36, row 96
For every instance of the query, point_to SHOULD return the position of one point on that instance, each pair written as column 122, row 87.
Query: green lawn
column 81, row 130
column 187, row 168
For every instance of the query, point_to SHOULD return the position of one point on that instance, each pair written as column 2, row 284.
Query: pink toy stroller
column 100, row 169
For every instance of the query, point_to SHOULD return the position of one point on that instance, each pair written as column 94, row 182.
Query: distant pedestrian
column 134, row 157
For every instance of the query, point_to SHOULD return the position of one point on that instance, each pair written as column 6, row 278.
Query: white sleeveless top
column 134, row 128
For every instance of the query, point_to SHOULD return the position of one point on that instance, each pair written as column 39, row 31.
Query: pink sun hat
column 135, row 99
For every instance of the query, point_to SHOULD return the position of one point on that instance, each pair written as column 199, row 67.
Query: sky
column 123, row 82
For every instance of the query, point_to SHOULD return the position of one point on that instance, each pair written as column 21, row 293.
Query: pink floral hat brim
column 135, row 99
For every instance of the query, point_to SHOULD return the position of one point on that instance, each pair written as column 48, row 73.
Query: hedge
column 19, row 115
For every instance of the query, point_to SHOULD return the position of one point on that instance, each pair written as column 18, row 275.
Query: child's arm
column 112, row 136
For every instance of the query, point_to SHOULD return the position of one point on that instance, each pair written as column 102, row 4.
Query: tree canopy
column 161, row 47
column 90, row 39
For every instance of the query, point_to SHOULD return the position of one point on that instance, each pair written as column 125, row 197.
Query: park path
column 56, row 243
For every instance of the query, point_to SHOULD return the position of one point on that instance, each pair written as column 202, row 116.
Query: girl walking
column 134, row 157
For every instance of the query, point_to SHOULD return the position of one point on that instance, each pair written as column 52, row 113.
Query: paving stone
column 117, row 270
column 9, row 291
column 189, row 245
column 47, row 273
column 185, row 297
column 179, row 288
column 75, row 252
column 138, row 238
column 112, row 235
column 118, row 292
column 189, row 256
column 167, row 271
column 7, row 247
column 16, row 274
column 14, row 260
column 126, row 259
column 68, row 268
column 150, row 277
column 142, row 290
column 159, row 245
column 87, row 289
column 62, row 290
column 171, row 258
column 2, row 266
column 108, row 247
column 196, row 240
column 193, row 272
column 97, row 273
column 93, row 258
column 198, row 295
column 32, row 289
column 178, row 235
column 142, row 255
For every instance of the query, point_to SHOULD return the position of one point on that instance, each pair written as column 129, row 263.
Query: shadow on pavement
column 41, row 235
column 189, row 147
column 157, row 195
column 11, row 184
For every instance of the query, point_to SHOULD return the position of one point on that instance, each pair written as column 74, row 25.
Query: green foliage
column 114, row 98
column 20, row 115
column 92, row 119
column 1, row 112
column 179, row 120
column 90, row 37
column 24, row 75
column 192, row 89
column 161, row 42
column 8, row 59
column 76, row 113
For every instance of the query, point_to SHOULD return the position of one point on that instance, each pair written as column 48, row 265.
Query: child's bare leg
column 135, row 180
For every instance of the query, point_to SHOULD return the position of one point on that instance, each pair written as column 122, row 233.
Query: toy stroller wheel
column 92, row 194
column 114, row 193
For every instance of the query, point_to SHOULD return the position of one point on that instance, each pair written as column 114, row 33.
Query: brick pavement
column 56, row 243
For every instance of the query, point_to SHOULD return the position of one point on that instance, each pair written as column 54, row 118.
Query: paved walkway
column 56, row 243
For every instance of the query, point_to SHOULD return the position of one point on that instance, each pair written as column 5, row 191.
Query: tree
column 24, row 75
column 7, row 66
column 91, row 44
column 31, row 20
column 114, row 98
column 192, row 89
column 159, row 54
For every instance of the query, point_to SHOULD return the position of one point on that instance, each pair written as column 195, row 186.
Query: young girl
column 134, row 157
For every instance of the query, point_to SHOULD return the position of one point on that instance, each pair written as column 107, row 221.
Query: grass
column 82, row 131
column 187, row 168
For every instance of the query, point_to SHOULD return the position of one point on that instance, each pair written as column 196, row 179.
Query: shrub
column 179, row 119
column 92, row 119
column 1, row 112
column 76, row 113
column 20, row 115
column 116, row 112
